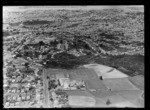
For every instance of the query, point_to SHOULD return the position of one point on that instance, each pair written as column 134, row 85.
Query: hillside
column 113, row 37
column 58, row 57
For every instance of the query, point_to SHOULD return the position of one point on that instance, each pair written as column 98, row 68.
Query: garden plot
column 83, row 74
column 95, row 84
column 130, row 94
column 90, row 78
column 101, row 103
column 79, row 93
column 102, row 68
column 105, row 71
column 114, row 74
column 124, row 104
column 118, row 84
column 127, row 98
column 138, row 81
column 80, row 98
column 113, row 99
column 139, row 102
column 81, row 101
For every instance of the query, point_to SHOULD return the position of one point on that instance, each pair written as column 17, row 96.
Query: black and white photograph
column 73, row 56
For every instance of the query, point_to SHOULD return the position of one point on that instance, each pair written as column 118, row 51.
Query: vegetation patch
column 36, row 22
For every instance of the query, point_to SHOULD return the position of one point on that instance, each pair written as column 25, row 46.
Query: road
column 45, row 87
column 47, row 103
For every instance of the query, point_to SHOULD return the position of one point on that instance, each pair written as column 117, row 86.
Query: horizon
column 84, row 7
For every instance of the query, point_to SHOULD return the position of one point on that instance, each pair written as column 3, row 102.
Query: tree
column 101, row 78
column 26, row 65
column 108, row 102
column 41, row 43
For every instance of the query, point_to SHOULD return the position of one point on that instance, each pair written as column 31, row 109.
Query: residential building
column 8, row 97
column 22, row 90
column 13, row 80
column 14, row 97
column 66, row 85
column 63, row 80
column 11, row 104
column 28, row 97
column 18, row 91
column 23, row 97
column 13, row 90
column 9, row 90
column 7, row 104
column 53, row 95
column 26, row 103
column 55, row 103
column 73, row 88
column 18, row 98
column 27, row 88
column 17, row 103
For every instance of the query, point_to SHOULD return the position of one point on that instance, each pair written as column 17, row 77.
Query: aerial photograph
column 89, row 56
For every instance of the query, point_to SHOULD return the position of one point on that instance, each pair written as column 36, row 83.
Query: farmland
column 49, row 50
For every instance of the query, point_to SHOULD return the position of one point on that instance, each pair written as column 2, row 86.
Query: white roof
column 81, row 101
column 9, row 37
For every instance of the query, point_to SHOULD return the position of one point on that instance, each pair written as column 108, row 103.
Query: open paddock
column 118, row 84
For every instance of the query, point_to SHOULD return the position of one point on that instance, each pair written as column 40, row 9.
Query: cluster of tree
column 36, row 22
column 6, row 33
column 61, row 61
column 15, row 24
column 67, row 61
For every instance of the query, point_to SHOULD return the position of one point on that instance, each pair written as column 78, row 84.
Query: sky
column 84, row 7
